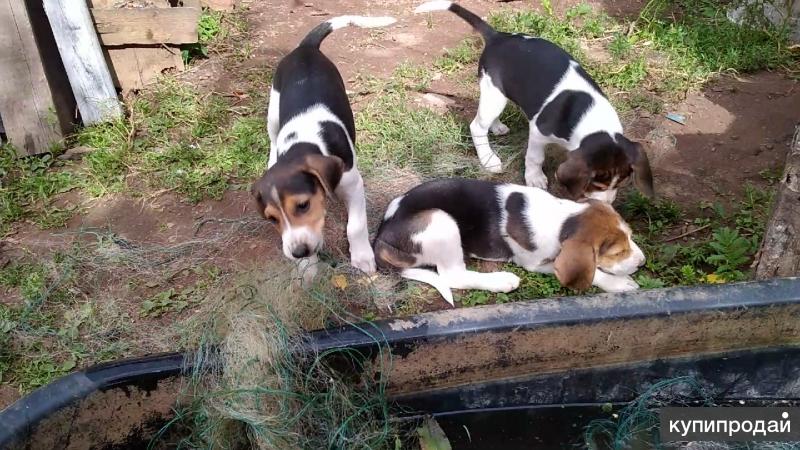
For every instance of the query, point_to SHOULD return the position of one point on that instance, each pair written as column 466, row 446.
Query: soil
column 735, row 129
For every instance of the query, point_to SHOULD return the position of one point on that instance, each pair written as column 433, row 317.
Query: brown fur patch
column 394, row 248
column 313, row 217
column 590, row 239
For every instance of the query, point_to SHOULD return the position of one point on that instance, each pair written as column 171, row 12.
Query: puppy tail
column 315, row 37
column 432, row 278
column 471, row 18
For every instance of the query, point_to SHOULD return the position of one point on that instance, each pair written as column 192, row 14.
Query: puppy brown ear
column 575, row 264
column 327, row 169
column 574, row 174
column 642, row 175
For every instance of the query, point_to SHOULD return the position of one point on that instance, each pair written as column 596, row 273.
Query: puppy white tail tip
column 361, row 21
column 437, row 5
column 432, row 278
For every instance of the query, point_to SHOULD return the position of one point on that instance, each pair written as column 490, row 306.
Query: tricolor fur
column 563, row 105
column 440, row 222
column 312, row 150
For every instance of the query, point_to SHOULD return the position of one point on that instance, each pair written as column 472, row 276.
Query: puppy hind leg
column 351, row 191
column 440, row 243
column 490, row 106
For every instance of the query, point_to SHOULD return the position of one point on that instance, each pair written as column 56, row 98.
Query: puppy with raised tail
column 439, row 222
column 563, row 106
column 312, row 151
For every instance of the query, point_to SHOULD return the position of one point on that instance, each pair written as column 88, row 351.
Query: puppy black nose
column 301, row 251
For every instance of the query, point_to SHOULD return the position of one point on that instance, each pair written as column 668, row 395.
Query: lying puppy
column 563, row 105
column 312, row 151
column 437, row 223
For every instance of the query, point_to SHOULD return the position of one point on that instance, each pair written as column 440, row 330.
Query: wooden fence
column 65, row 62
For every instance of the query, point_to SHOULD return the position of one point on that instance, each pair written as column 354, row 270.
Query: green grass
column 176, row 139
column 394, row 134
column 51, row 330
column 720, row 250
column 27, row 187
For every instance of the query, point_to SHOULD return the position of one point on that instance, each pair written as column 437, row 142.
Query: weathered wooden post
column 36, row 104
column 86, row 68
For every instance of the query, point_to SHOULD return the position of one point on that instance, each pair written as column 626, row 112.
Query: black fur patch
column 516, row 225
column 569, row 227
column 562, row 114
column 338, row 144
column 526, row 70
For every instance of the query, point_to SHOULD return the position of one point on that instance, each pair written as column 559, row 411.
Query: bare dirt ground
column 736, row 129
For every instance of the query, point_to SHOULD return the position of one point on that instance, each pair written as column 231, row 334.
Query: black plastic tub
column 518, row 364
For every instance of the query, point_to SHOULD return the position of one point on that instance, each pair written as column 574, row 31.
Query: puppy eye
column 303, row 207
column 272, row 220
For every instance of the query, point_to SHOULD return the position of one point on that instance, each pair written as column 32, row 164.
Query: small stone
column 769, row 146
column 734, row 138
column 437, row 102
column 75, row 153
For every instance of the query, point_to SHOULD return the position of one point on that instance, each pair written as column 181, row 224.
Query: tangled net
column 256, row 384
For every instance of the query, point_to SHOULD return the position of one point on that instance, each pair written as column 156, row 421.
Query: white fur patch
column 392, row 208
column 305, row 127
column 601, row 116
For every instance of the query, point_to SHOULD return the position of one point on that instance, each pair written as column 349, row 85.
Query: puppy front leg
column 534, row 158
column 613, row 283
column 273, row 121
column 351, row 192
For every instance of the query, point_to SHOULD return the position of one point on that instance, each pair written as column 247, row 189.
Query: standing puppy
column 312, row 151
column 563, row 105
column 437, row 223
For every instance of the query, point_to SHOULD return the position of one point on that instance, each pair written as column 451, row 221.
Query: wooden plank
column 151, row 26
column 136, row 67
column 27, row 104
column 780, row 251
column 83, row 60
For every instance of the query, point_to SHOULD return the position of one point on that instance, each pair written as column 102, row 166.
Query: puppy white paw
column 363, row 260
column 491, row 163
column 499, row 128
column 536, row 178
column 619, row 283
column 504, row 282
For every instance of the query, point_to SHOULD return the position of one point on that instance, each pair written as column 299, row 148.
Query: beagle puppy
column 437, row 223
column 563, row 105
column 312, row 151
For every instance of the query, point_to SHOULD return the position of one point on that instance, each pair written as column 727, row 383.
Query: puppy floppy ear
column 640, row 164
column 327, row 169
column 575, row 264
column 574, row 174
column 255, row 192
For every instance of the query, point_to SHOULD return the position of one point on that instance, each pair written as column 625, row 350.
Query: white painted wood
column 83, row 59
